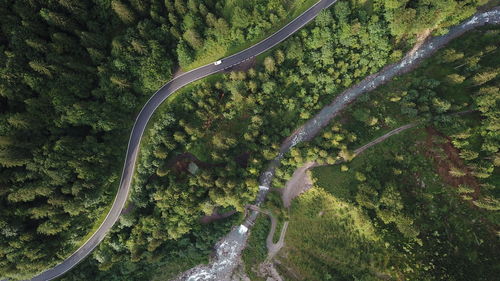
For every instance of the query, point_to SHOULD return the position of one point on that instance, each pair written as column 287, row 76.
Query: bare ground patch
column 215, row 216
column 446, row 157
column 299, row 183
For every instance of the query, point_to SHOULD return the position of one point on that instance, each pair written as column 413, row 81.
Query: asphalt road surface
column 147, row 111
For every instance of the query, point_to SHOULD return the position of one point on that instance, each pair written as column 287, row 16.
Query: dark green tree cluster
column 73, row 73
column 396, row 183
column 249, row 113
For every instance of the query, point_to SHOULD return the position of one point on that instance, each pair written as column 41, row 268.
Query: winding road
column 145, row 115
column 304, row 133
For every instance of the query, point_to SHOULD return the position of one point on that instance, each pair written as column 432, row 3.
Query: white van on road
column 218, row 62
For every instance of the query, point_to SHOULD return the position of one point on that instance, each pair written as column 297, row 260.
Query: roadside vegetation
column 236, row 25
column 73, row 74
column 70, row 87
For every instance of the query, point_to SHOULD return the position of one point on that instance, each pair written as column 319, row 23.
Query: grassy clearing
column 334, row 235
column 256, row 250
column 333, row 180
column 325, row 232
column 277, row 233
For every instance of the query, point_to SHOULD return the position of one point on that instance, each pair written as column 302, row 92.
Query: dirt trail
column 300, row 181
column 384, row 137
column 272, row 248
column 298, row 184
column 218, row 269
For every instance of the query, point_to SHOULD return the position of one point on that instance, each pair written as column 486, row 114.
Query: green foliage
column 326, row 235
column 123, row 11
column 412, row 17
column 174, row 257
column 427, row 230
column 256, row 251
column 404, row 226
column 73, row 73
column 65, row 119
column 184, row 53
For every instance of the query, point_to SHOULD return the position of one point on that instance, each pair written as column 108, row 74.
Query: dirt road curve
column 272, row 248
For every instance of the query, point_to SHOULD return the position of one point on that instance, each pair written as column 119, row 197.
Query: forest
column 72, row 74
column 422, row 205
column 62, row 143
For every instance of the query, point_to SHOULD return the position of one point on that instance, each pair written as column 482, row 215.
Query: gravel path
column 298, row 183
column 383, row 138
column 272, row 248
column 228, row 250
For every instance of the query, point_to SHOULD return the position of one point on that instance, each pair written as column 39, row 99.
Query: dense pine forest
column 75, row 73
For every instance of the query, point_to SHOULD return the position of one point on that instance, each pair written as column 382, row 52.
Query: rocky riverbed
column 229, row 248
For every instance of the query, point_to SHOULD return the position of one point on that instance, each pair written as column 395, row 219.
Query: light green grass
column 326, row 233
column 333, row 180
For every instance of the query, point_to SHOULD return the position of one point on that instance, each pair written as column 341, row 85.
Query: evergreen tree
column 123, row 11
